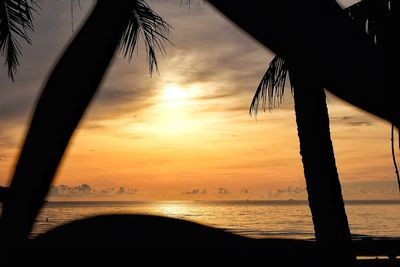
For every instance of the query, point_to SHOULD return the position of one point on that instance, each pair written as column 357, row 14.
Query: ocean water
column 257, row 219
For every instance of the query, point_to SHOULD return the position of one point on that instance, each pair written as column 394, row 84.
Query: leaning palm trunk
column 65, row 97
column 67, row 94
column 323, row 186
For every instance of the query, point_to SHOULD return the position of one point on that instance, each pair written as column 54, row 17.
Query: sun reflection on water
column 172, row 209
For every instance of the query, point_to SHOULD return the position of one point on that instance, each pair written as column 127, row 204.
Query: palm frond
column 272, row 86
column 153, row 29
column 16, row 22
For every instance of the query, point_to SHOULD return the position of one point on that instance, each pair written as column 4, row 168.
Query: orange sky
column 188, row 127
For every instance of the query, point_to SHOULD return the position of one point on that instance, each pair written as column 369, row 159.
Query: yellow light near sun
column 172, row 115
column 172, row 111
column 173, row 92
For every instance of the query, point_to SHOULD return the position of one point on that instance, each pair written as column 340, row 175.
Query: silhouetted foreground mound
column 125, row 239
column 135, row 237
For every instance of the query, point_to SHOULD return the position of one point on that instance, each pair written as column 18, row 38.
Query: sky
column 185, row 133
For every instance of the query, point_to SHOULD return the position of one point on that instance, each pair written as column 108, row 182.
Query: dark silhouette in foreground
column 4, row 192
column 75, row 80
column 124, row 238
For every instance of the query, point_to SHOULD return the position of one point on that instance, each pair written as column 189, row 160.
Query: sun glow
column 174, row 93
column 172, row 115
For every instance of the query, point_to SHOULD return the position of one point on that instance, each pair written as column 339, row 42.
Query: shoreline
column 223, row 201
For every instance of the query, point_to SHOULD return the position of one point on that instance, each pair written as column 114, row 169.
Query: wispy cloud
column 223, row 191
column 351, row 121
column 288, row 192
column 128, row 132
column 196, row 191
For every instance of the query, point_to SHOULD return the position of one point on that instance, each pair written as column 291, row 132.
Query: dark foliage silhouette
column 16, row 21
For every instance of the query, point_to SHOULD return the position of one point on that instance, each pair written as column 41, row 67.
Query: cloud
column 86, row 190
column 8, row 143
column 223, row 191
column 15, row 107
column 244, row 190
column 130, row 191
column 196, row 191
column 222, row 62
column 232, row 71
column 7, row 140
column 289, row 192
column 351, row 121
column 371, row 189
column 360, row 123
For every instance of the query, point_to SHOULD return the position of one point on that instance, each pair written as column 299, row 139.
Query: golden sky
column 188, row 127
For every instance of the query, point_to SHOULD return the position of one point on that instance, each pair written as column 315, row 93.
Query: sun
column 174, row 109
column 173, row 93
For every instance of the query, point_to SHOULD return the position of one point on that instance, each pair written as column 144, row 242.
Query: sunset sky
column 187, row 127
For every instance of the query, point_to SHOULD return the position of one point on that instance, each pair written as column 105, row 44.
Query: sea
column 257, row 219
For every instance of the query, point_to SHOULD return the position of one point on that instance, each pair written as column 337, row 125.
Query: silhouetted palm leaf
column 151, row 27
column 272, row 86
column 15, row 23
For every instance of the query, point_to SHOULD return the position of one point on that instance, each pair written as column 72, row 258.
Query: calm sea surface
column 250, row 218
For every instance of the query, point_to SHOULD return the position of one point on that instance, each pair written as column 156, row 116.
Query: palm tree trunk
column 64, row 99
column 317, row 35
column 323, row 186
